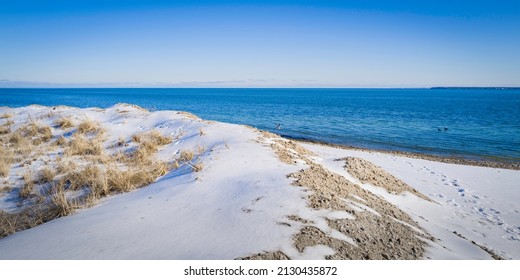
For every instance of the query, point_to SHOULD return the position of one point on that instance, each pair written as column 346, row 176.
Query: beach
column 169, row 185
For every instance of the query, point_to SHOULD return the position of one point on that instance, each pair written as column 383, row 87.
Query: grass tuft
column 86, row 178
column 6, row 159
column 80, row 145
column 8, row 223
column 66, row 166
column 19, row 143
column 5, row 129
column 45, row 133
column 89, row 126
column 64, row 123
column 15, row 138
column 148, row 144
column 200, row 149
column 197, row 167
column 32, row 131
column 136, row 138
column 4, row 167
column 186, row 156
column 62, row 206
column 28, row 185
column 61, row 141
column 152, row 137
column 159, row 139
column 46, row 175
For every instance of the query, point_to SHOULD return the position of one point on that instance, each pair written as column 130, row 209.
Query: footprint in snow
column 478, row 232
column 452, row 203
column 256, row 200
column 512, row 238
column 460, row 214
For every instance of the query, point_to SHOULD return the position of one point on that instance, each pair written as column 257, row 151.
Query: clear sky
column 362, row 43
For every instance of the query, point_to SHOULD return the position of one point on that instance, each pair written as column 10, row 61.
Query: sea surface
column 479, row 124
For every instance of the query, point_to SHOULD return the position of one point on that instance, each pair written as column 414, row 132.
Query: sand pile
column 379, row 229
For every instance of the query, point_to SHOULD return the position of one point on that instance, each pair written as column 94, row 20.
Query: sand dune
column 126, row 183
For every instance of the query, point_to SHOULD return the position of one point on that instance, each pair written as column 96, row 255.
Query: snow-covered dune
column 244, row 193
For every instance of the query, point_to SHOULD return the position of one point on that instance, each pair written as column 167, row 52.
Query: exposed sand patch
column 380, row 230
column 333, row 191
column 289, row 152
column 378, row 234
column 190, row 115
column 367, row 172
column 266, row 134
column 267, row 256
column 299, row 219
column 375, row 239
column 294, row 147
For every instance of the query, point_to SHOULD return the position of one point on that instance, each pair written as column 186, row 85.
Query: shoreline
column 444, row 159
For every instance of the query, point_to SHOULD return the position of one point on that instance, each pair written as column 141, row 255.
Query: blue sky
column 259, row 43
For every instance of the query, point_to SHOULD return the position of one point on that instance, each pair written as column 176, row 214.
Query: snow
column 232, row 209
column 130, row 225
column 239, row 204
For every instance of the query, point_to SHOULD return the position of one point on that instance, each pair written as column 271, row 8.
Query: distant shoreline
column 480, row 88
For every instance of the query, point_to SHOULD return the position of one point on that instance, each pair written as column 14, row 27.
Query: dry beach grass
column 83, row 170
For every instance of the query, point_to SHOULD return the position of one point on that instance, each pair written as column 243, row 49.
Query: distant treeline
column 504, row 88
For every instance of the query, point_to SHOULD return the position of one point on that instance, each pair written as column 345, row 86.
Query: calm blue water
column 481, row 124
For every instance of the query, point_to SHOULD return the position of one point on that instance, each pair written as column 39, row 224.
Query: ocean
column 482, row 124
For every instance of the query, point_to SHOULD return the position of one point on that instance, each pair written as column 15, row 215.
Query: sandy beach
column 127, row 183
